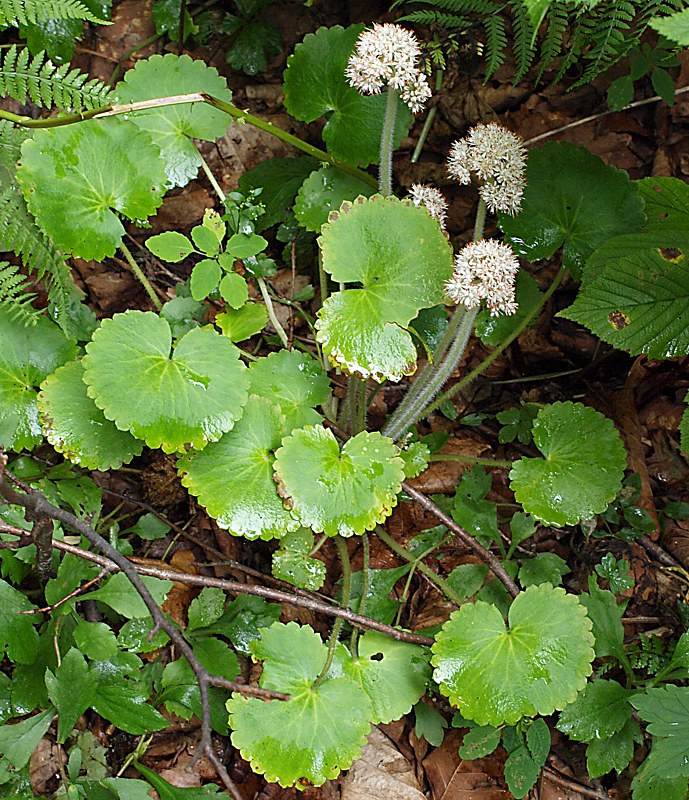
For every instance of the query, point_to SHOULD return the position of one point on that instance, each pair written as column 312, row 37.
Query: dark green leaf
column 479, row 742
column 71, row 689
column 430, row 724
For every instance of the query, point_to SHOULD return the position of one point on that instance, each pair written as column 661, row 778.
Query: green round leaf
column 172, row 127
column 293, row 564
column 27, row 356
column 233, row 290
column 393, row 674
column 169, row 397
column 295, row 382
column 324, row 191
column 204, row 278
column 76, row 180
column 572, row 200
column 495, row 675
column 582, row 468
column 171, row 246
column 233, row 478
column 308, row 739
column 338, row 492
column 77, row 428
column 315, row 85
column 400, row 257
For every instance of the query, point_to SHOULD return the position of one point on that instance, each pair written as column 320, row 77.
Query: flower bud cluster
column 498, row 158
column 432, row 199
column 485, row 270
column 389, row 54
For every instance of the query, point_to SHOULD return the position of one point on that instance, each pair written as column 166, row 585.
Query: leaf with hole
column 315, row 85
column 173, row 127
column 77, row 428
column 581, row 470
column 338, row 491
column 538, row 664
column 400, row 258
column 168, row 396
column 309, row 738
column 79, row 179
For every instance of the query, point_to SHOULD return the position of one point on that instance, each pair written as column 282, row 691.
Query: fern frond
column 23, row 12
column 557, row 20
column 450, row 22
column 462, row 6
column 11, row 139
column 496, row 42
column 612, row 38
column 523, row 45
column 47, row 84
column 14, row 297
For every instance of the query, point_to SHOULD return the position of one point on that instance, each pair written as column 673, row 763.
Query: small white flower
column 389, row 54
column 432, row 199
column 498, row 158
column 485, row 270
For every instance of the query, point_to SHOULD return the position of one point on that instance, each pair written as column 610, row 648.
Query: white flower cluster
column 432, row 199
column 498, row 158
column 485, row 270
column 389, row 54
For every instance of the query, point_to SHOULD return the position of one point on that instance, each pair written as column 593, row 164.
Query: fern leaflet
column 14, row 298
column 496, row 42
column 47, row 84
column 450, row 22
column 23, row 12
column 522, row 46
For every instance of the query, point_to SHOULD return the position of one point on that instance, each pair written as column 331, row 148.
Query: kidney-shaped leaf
column 572, row 200
column 27, row 356
column 318, row 732
column 77, row 428
column 335, row 491
column 233, row 478
column 78, row 178
column 172, row 126
column 315, row 85
column 393, row 674
column 168, row 397
column 495, row 675
column 401, row 258
column 581, row 470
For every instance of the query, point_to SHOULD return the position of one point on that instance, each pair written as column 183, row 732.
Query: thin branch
column 492, row 562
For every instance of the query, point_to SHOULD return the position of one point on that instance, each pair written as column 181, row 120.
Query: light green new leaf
column 240, row 324
column 673, row 26
column 233, row 290
column 581, row 470
column 308, row 739
column 599, row 711
column 27, row 356
column 118, row 593
column 572, row 200
column 399, row 256
column 324, row 191
column 169, row 397
column 204, row 278
column 171, row 246
column 539, row 664
column 666, row 709
column 315, row 85
column 77, row 428
column 173, row 127
column 338, row 492
column 72, row 673
column 18, row 637
column 293, row 381
column 393, row 674
column 293, row 564
column 77, row 179
column 233, row 478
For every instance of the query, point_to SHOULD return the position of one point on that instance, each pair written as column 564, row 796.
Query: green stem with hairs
column 136, row 269
column 386, row 142
column 270, row 308
column 341, row 545
column 439, row 75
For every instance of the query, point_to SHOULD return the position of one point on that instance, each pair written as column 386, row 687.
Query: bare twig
column 576, row 786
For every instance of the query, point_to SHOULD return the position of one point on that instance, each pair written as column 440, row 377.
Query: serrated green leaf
column 206, row 609
column 543, row 568
column 18, row 741
column 572, row 200
column 496, row 676
column 467, row 579
column 77, row 428
column 171, row 246
column 204, row 278
column 582, row 469
column 240, row 324
column 315, row 85
column 242, row 620
column 673, row 26
column 400, row 257
column 479, row 742
column 173, row 127
column 77, row 179
column 95, row 640
column 666, row 709
column 538, row 741
column 318, row 732
column 615, row 752
column 416, row 457
column 169, row 397
column 136, row 636
column 72, row 672
column 599, row 711
column 521, row 772
column 292, row 563
column 117, row 592
column 233, row 478
column 293, row 381
column 324, row 191
column 606, row 615
column 18, row 637
column 393, row 674
column 338, row 492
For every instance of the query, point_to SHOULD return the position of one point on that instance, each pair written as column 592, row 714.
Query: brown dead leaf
column 44, row 766
column 131, row 24
column 442, row 477
column 182, row 210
